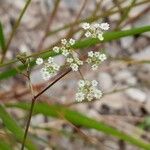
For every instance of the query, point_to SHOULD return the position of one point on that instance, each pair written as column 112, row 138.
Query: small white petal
column 104, row 26
column 72, row 41
column 39, row 61
column 56, row 49
column 88, row 34
column 85, row 25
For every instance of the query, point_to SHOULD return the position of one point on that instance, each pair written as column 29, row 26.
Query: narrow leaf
column 4, row 145
column 79, row 119
column 2, row 38
column 13, row 127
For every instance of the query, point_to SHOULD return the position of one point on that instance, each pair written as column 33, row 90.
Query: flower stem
column 28, row 123
column 33, row 104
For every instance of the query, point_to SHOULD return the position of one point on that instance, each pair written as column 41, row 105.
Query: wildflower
column 56, row 49
column 95, row 58
column 88, row 34
column 71, row 41
column 39, row 61
column 81, row 83
column 95, row 30
column 85, row 25
column 74, row 67
column 94, row 67
column 87, row 90
column 50, row 60
column 69, row 60
column 102, row 57
column 64, row 41
column 50, row 67
column 79, row 97
column 104, row 26
column 65, row 52
column 94, row 83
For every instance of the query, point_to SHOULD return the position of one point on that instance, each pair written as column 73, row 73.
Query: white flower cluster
column 95, row 30
column 87, row 90
column 95, row 58
column 65, row 48
column 50, row 67
column 73, row 61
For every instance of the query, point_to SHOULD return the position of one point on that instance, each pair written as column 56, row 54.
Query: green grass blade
column 4, row 145
column 109, row 36
column 79, row 119
column 2, row 38
column 13, row 127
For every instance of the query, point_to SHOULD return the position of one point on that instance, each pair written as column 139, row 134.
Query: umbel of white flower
column 87, row 90
column 49, row 69
column 73, row 61
column 95, row 30
column 95, row 58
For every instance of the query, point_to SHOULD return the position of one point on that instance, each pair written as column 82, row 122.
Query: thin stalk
column 14, row 29
column 70, row 33
column 33, row 104
column 47, row 29
column 28, row 123
column 125, row 14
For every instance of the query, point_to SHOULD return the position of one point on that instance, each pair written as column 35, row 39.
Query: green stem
column 14, row 29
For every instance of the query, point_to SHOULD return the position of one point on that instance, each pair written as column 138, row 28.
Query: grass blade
column 4, row 145
column 13, row 127
column 2, row 38
column 79, row 119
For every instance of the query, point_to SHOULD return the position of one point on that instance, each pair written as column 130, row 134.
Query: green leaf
column 2, row 38
column 81, row 120
column 4, row 145
column 109, row 36
column 13, row 127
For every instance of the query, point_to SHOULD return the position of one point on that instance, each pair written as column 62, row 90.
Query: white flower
column 69, row 60
column 64, row 41
column 90, row 54
column 79, row 97
column 50, row 60
column 56, row 67
column 87, row 90
column 94, row 67
column 65, row 52
column 97, row 54
column 98, row 94
column 74, row 67
column 88, row 34
column 79, row 62
column 39, row 61
column 89, row 97
column 96, row 25
column 102, row 57
column 100, row 37
column 81, row 83
column 104, row 26
column 45, row 75
column 56, row 49
column 85, row 25
column 94, row 83
column 89, row 60
column 72, row 41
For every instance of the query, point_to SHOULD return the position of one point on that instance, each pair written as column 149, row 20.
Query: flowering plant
column 87, row 89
